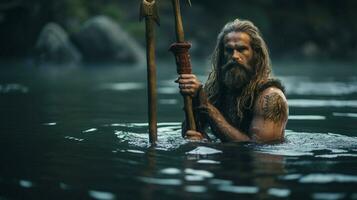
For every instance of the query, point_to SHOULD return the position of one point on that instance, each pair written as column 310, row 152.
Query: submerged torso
column 228, row 108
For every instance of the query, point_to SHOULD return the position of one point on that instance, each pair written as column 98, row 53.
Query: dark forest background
column 294, row 29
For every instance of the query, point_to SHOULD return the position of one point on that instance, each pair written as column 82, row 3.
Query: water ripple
column 307, row 103
column 195, row 188
column 50, row 124
column 13, row 87
column 161, row 181
column 100, row 195
column 208, row 162
column 201, row 150
column 320, row 145
column 89, row 130
column 25, row 183
column 278, row 192
column 74, row 138
column 169, row 135
column 201, row 173
column 353, row 115
column 307, row 144
column 170, row 171
column 306, row 117
column 303, row 86
column 238, row 189
column 328, row 178
column 336, row 155
column 328, row 196
column 124, row 86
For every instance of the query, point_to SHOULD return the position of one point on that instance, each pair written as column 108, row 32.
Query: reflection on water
column 13, row 88
column 157, row 181
column 262, row 159
column 122, row 86
column 169, row 135
column 25, row 183
column 203, row 151
column 327, row 178
column 100, row 195
column 82, row 134
column 306, row 117
column 353, row 115
column 305, row 103
column 311, row 144
column 306, row 86
column 296, row 143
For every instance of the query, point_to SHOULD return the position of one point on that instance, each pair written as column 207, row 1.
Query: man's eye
column 241, row 49
column 229, row 50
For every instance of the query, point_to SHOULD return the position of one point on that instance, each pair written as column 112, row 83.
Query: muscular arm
column 268, row 124
column 270, row 116
column 224, row 130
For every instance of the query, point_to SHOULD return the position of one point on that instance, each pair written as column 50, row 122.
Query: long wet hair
column 260, row 63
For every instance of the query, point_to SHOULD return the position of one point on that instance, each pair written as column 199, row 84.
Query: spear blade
column 189, row 2
column 148, row 8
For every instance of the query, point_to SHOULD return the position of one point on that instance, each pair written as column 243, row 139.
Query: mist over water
column 82, row 134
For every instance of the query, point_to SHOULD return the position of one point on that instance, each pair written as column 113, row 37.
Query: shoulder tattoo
column 274, row 108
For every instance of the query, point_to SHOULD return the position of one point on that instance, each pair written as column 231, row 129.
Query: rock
column 54, row 46
column 102, row 39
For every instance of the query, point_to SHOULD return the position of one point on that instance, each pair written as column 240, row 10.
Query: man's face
column 238, row 54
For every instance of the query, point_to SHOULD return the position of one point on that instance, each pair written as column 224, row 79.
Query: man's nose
column 237, row 56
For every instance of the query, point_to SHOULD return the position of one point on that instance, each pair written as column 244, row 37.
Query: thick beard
column 235, row 76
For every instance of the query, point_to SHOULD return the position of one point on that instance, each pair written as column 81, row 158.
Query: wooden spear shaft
column 180, row 34
column 151, row 79
column 180, row 49
column 149, row 11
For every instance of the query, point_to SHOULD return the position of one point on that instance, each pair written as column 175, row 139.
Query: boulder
column 102, row 39
column 54, row 46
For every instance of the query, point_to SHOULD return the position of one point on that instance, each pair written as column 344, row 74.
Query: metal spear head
column 148, row 8
column 189, row 2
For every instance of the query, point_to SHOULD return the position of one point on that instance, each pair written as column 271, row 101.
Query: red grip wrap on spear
column 182, row 57
column 183, row 64
column 180, row 50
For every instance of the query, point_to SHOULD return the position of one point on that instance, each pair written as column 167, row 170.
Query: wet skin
column 265, row 126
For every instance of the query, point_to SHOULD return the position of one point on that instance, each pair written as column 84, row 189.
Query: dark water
column 82, row 134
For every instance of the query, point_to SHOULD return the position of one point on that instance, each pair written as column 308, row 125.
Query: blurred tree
column 294, row 28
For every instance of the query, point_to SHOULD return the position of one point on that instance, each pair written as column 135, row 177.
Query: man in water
column 240, row 100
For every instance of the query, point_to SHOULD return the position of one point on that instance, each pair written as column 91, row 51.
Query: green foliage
column 76, row 9
column 136, row 29
column 113, row 11
column 289, row 27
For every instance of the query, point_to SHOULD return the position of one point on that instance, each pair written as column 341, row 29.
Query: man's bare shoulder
column 272, row 105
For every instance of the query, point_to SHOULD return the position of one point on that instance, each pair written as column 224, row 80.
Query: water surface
column 81, row 133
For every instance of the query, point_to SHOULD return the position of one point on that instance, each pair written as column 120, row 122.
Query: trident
column 183, row 62
column 148, row 10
